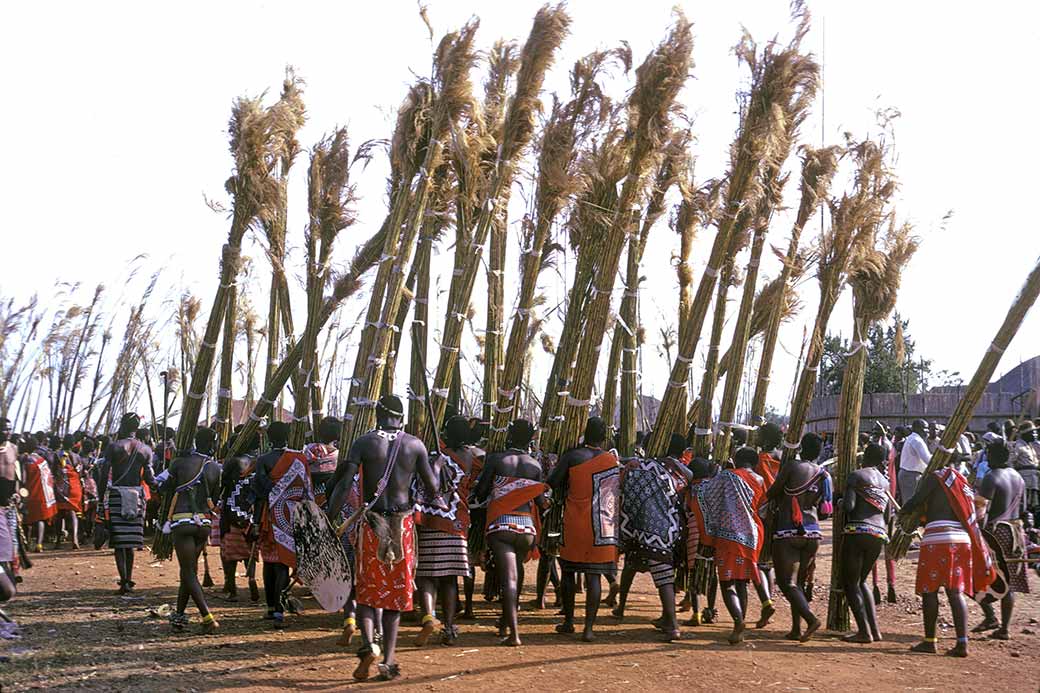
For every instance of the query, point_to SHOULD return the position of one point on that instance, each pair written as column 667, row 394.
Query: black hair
column 703, row 468
column 770, row 436
column 676, row 445
column 329, row 429
column 739, row 436
column 874, row 456
column 278, row 434
column 521, row 432
column 390, row 405
column 998, row 454
column 811, row 446
column 68, row 441
column 595, row 430
column 205, row 438
column 457, row 431
column 745, row 458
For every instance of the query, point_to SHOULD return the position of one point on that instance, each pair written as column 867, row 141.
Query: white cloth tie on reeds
column 223, row 392
column 577, row 402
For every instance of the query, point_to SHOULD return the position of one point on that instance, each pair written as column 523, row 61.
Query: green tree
column 885, row 372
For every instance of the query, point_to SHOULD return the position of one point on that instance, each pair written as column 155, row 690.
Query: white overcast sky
column 115, row 117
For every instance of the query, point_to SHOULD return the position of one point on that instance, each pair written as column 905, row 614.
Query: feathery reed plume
column 558, row 179
column 776, row 76
column 818, row 167
column 547, row 33
column 854, row 220
column 658, row 81
column 258, row 141
column 453, row 96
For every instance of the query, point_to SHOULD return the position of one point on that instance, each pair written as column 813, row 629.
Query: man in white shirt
column 914, row 459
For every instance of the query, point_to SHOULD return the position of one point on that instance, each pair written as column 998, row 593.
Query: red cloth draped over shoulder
column 590, row 516
column 768, row 467
column 962, row 501
column 41, row 505
column 74, row 499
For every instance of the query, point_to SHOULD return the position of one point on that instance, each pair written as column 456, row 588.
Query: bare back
column 371, row 453
column 508, row 463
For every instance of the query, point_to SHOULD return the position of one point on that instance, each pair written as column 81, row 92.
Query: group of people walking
column 414, row 523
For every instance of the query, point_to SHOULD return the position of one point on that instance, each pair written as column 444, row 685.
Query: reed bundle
column 453, row 95
column 279, row 314
column 602, row 167
column 223, row 423
column 818, row 167
column 658, row 81
column 259, row 136
column 330, row 199
column 547, row 33
column 403, row 149
column 774, row 75
column 797, row 89
column 767, row 302
column 874, row 275
column 961, row 417
column 504, row 62
column 21, row 323
column 675, row 166
column 854, row 219
column 558, row 179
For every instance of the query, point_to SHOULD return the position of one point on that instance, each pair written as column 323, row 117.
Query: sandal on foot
column 389, row 672
column 367, row 656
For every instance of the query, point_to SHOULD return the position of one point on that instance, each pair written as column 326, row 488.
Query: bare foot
column 1000, row 634
column 565, row 628
column 428, row 627
column 737, row 636
column 793, row 635
column 876, row 635
column 958, row 650
column 924, row 647
column 347, row 635
column 618, row 614
column 862, row 638
column 510, row 641
column 672, row 635
column 767, row 613
column 813, row 626
column 588, row 636
column 988, row 624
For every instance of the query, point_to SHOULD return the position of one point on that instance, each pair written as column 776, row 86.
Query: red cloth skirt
column 732, row 566
column 234, row 546
column 383, row 586
column 944, row 566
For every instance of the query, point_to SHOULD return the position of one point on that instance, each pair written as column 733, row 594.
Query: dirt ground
column 77, row 634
